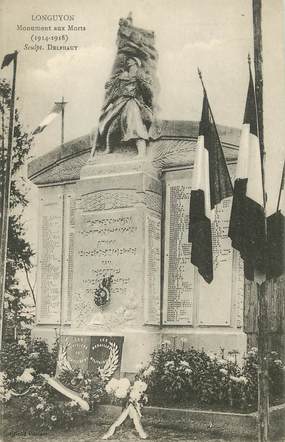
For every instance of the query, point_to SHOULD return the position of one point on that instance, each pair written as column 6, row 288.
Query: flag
column 8, row 58
column 57, row 108
column 247, row 221
column 211, row 184
column 275, row 251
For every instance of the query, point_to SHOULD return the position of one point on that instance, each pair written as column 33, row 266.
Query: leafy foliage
column 88, row 384
column 194, row 378
column 45, row 409
column 16, row 357
column 39, row 408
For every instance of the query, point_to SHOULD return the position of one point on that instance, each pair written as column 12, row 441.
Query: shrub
column 172, row 377
column 192, row 377
column 15, row 357
column 33, row 405
column 88, row 384
column 44, row 409
column 276, row 375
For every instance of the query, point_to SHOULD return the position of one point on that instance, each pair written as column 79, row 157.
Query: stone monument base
column 139, row 343
column 137, row 348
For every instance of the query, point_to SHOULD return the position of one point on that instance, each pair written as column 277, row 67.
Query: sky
column 215, row 35
column 189, row 34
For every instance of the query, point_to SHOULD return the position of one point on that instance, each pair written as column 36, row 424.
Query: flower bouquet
column 133, row 398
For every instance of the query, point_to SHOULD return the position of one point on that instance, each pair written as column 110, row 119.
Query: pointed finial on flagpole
column 201, row 78
column 63, row 103
column 249, row 60
column 199, row 73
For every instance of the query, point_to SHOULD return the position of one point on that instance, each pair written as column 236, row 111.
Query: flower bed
column 30, row 404
column 174, row 379
column 194, row 379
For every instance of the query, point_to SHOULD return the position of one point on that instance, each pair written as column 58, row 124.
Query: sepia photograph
column 142, row 270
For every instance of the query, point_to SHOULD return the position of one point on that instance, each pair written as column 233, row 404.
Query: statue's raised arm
column 127, row 112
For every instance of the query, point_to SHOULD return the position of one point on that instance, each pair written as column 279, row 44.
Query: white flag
column 57, row 108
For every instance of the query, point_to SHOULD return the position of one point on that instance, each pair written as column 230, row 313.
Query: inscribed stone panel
column 50, row 256
column 215, row 298
column 178, row 271
column 152, row 270
column 108, row 243
column 68, row 249
column 214, row 301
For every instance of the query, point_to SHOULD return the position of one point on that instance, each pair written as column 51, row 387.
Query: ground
column 93, row 433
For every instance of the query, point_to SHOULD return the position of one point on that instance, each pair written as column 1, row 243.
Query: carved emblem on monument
column 102, row 294
column 129, row 103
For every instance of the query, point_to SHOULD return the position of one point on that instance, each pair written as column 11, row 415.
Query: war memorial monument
column 114, row 261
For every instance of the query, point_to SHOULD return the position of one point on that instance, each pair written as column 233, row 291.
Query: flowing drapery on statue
column 127, row 113
column 129, row 103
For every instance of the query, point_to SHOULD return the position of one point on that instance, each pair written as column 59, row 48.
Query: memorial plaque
column 67, row 277
column 106, row 354
column 50, row 253
column 178, row 271
column 238, row 286
column 215, row 299
column 95, row 352
column 152, row 272
column 107, row 244
column 77, row 350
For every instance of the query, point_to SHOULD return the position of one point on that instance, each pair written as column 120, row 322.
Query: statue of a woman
column 127, row 112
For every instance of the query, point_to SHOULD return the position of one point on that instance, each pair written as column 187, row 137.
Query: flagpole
column 62, row 121
column 6, row 198
column 63, row 103
column 205, row 92
column 281, row 187
column 2, row 168
column 263, row 387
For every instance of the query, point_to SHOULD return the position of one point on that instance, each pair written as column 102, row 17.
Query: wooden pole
column 281, row 187
column 3, row 163
column 205, row 92
column 62, row 103
column 212, row 116
column 62, row 122
column 6, row 199
column 263, row 386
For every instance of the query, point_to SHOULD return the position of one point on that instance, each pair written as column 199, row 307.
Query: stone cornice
column 172, row 144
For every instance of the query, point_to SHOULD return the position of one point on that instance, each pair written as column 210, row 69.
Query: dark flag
column 247, row 222
column 211, row 184
column 7, row 59
column 276, row 237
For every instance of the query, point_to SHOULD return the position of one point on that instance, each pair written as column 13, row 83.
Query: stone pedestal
column 117, row 233
column 107, row 222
